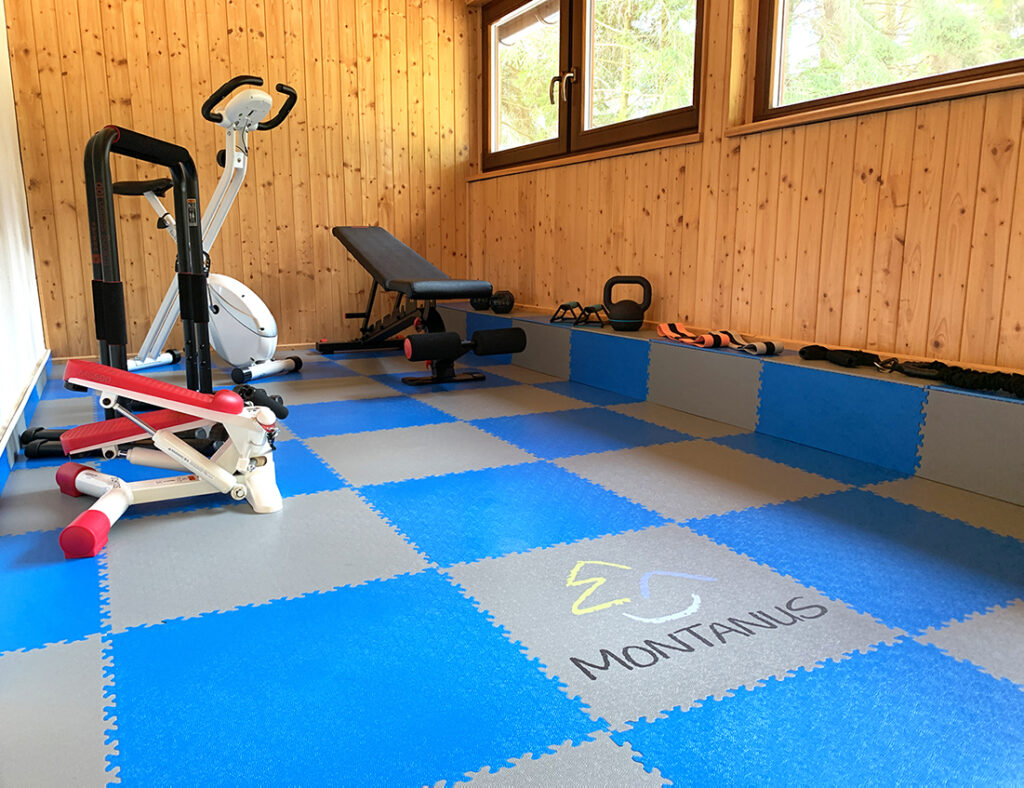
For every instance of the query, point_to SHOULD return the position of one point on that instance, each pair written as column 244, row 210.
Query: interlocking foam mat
column 514, row 583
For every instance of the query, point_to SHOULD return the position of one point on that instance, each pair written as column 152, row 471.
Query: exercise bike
column 243, row 331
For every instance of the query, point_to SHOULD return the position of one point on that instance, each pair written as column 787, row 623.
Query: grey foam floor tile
column 384, row 365
column 179, row 377
column 175, row 565
column 694, row 479
column 990, row 640
column 673, row 419
column 52, row 727
column 470, row 404
column 31, row 501
column 978, row 510
column 715, row 384
column 973, row 442
column 67, row 412
column 792, row 358
column 454, row 320
column 523, row 375
column 414, row 452
column 547, row 348
column 600, row 615
column 306, row 392
column 600, row 762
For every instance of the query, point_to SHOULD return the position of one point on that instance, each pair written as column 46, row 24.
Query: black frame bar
column 103, row 236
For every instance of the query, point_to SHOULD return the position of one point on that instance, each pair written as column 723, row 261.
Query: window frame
column 572, row 138
column 766, row 58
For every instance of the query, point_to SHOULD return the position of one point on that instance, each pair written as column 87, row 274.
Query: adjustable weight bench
column 417, row 283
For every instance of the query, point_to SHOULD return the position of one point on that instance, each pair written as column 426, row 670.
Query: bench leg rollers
column 442, row 348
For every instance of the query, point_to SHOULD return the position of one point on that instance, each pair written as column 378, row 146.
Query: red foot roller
column 86, row 535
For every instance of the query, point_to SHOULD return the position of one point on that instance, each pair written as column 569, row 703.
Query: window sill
column 578, row 158
column 882, row 103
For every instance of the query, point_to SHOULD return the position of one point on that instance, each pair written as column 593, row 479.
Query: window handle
column 551, row 87
column 564, row 78
column 567, row 78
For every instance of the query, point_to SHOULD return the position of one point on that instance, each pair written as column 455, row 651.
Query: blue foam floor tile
column 300, row 471
column 874, row 420
column 566, row 433
column 398, row 682
column 581, row 391
column 54, row 389
column 823, row 463
column 490, row 381
column 360, row 415
column 43, row 598
column 496, row 511
column 311, row 370
column 610, row 362
column 902, row 715
column 905, row 566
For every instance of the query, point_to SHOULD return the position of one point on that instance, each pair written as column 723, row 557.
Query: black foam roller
column 492, row 341
column 433, row 346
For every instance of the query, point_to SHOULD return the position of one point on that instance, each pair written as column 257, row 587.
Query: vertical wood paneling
column 381, row 135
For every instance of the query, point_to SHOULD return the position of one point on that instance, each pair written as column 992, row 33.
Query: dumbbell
column 501, row 302
column 442, row 348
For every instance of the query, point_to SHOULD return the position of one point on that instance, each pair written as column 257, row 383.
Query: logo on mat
column 584, row 604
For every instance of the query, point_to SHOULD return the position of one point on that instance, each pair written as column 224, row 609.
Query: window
column 817, row 53
column 570, row 75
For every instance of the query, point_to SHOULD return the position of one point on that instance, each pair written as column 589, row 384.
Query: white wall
column 21, row 325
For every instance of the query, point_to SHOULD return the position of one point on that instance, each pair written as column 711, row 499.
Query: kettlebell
column 626, row 315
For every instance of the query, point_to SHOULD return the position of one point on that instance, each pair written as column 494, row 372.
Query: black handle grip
column 628, row 280
column 260, row 397
column 218, row 95
column 286, row 108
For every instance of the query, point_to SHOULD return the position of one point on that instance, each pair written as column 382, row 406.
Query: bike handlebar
column 246, row 79
column 220, row 93
column 286, row 108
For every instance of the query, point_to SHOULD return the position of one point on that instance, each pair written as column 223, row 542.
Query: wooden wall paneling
column 744, row 251
column 765, row 230
column 993, row 217
column 400, row 120
column 595, row 210
column 693, row 185
column 432, row 131
column 608, row 232
column 300, row 59
column 842, row 137
column 285, row 263
column 891, row 228
column 446, row 88
column 417, row 153
column 956, row 221
column 932, row 121
column 28, row 96
column 665, row 282
column 477, row 267
column 324, row 308
column 1011, row 324
column 860, row 241
column 367, row 119
column 812, row 211
column 522, row 280
column 787, row 237
column 725, row 228
column 544, row 279
column 66, row 176
column 349, row 207
column 675, row 176
column 465, row 97
column 382, row 66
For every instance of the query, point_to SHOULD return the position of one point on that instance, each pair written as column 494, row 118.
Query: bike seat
column 159, row 187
